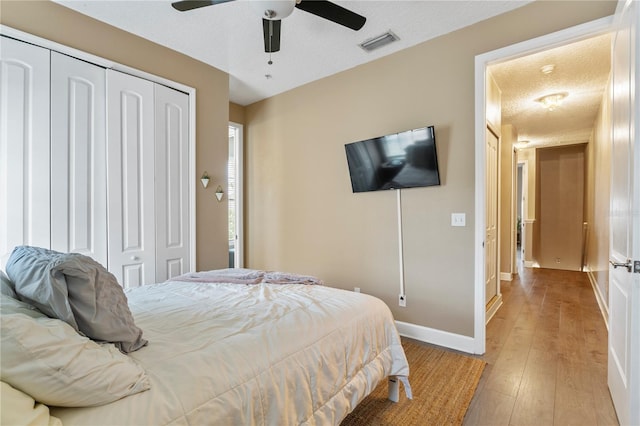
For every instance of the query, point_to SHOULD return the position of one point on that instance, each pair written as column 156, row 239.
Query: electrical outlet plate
column 402, row 300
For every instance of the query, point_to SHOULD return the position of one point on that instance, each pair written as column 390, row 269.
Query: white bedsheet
column 263, row 354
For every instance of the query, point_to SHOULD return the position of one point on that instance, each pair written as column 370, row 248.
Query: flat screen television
column 400, row 160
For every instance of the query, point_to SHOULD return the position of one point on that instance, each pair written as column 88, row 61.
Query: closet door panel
column 130, row 175
column 172, row 182
column 78, row 157
column 24, row 146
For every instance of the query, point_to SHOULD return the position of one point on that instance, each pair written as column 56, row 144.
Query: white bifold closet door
column 148, row 180
column 130, row 176
column 172, row 182
column 24, row 146
column 78, row 157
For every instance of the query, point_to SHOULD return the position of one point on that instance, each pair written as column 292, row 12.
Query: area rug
column 443, row 384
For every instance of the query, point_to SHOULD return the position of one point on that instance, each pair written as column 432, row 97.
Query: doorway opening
column 483, row 62
column 520, row 206
column 234, row 194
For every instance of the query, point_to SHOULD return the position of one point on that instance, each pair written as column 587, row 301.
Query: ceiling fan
column 273, row 11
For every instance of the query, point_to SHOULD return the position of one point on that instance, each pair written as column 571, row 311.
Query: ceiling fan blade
column 331, row 11
column 185, row 5
column 271, row 31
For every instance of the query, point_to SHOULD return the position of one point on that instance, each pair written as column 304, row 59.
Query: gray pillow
column 39, row 283
column 92, row 295
column 6, row 286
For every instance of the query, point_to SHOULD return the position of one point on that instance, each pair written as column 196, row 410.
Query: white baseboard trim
column 604, row 309
column 506, row 276
column 529, row 264
column 436, row 337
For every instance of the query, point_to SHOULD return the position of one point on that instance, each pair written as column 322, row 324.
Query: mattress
column 253, row 354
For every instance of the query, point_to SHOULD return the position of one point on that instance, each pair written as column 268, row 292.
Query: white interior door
column 78, row 157
column 523, row 201
column 491, row 239
column 624, row 284
column 130, row 174
column 172, row 182
column 24, row 146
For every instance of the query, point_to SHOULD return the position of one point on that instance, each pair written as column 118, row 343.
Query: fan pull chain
column 270, row 41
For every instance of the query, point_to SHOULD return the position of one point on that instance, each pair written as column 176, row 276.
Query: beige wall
column 507, row 216
column 62, row 25
column 236, row 113
column 528, row 155
column 598, row 194
column 560, row 206
column 301, row 215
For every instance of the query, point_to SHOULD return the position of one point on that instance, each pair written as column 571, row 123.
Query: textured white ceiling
column 581, row 69
column 228, row 36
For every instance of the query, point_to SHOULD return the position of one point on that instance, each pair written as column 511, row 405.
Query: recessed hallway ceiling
column 580, row 69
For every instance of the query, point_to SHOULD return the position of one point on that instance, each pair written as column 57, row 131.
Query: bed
column 229, row 347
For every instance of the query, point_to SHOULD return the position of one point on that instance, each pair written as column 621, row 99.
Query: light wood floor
column 546, row 355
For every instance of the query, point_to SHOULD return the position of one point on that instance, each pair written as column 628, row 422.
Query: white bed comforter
column 261, row 354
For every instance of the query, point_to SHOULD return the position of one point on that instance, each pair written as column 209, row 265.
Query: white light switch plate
column 458, row 219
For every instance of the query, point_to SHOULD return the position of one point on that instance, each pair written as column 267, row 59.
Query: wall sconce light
column 205, row 180
column 219, row 193
column 552, row 101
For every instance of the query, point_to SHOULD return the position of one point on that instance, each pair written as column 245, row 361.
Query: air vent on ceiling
column 379, row 41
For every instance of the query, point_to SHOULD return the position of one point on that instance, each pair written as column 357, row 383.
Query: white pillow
column 18, row 408
column 45, row 358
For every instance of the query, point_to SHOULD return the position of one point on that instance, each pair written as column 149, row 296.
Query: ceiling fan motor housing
column 273, row 9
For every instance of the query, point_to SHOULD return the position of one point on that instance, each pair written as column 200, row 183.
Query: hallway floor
column 546, row 355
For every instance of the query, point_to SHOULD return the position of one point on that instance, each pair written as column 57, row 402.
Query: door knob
column 622, row 265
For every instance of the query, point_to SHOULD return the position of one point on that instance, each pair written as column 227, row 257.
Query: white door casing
column 514, row 211
column 482, row 61
column 78, row 157
column 171, row 182
column 524, row 209
column 24, row 146
column 624, row 284
column 238, row 131
column 130, row 175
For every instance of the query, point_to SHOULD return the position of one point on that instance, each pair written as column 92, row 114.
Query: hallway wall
column 560, row 206
column 597, row 201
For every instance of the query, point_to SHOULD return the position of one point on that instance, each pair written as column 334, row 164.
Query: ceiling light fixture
column 379, row 41
column 552, row 101
column 547, row 69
